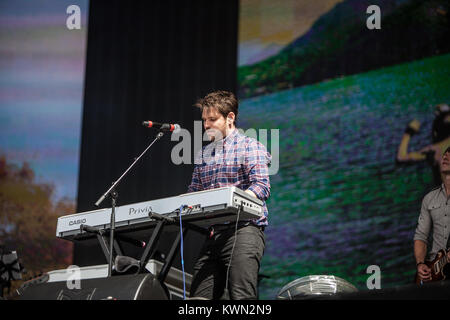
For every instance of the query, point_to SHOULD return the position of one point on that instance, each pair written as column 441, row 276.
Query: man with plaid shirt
column 231, row 159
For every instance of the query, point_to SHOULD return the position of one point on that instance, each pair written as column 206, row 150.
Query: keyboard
column 208, row 207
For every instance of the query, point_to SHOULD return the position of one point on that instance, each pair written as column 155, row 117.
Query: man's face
column 445, row 162
column 215, row 123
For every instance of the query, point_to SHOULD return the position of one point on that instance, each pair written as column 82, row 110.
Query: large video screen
column 42, row 64
column 341, row 80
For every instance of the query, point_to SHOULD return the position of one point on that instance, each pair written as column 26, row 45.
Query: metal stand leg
column 171, row 256
column 150, row 248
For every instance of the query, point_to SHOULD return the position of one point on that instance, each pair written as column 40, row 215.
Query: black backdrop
column 148, row 60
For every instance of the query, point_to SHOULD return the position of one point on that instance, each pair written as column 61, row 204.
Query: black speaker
column 124, row 287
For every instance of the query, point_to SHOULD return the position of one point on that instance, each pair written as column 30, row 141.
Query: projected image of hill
column 339, row 43
column 339, row 202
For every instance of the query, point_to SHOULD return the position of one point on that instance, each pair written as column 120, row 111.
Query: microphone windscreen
column 176, row 128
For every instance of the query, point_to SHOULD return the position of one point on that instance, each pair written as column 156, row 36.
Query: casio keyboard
column 207, row 208
column 138, row 225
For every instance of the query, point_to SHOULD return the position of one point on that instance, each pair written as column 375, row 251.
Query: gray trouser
column 210, row 270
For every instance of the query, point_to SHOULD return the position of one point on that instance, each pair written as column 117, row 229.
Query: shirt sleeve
column 423, row 224
column 195, row 182
column 257, row 161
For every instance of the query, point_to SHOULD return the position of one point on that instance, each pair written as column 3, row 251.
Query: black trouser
column 210, row 270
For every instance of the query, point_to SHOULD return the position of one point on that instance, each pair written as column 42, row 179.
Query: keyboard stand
column 151, row 246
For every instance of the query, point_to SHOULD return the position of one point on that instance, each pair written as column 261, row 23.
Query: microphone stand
column 111, row 191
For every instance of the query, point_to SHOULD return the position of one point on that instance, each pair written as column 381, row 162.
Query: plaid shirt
column 236, row 160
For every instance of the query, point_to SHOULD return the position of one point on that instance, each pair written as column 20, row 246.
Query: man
column 435, row 215
column 231, row 159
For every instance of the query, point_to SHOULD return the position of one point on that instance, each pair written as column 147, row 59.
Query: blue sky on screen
column 42, row 66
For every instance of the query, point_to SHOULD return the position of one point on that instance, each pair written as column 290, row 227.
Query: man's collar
column 443, row 189
column 230, row 137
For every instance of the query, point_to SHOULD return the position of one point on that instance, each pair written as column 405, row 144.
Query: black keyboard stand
column 103, row 241
column 151, row 245
column 150, row 248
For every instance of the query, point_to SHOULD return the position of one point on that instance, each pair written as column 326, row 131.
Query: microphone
column 161, row 126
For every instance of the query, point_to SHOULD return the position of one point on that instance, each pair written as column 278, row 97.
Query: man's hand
column 424, row 272
column 414, row 126
column 250, row 192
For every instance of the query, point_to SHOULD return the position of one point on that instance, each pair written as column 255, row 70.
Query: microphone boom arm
column 114, row 196
column 100, row 200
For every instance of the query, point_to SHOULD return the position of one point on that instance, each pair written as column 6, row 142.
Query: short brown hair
column 224, row 101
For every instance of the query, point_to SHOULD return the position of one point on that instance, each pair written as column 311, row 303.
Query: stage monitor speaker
column 123, row 287
column 315, row 286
